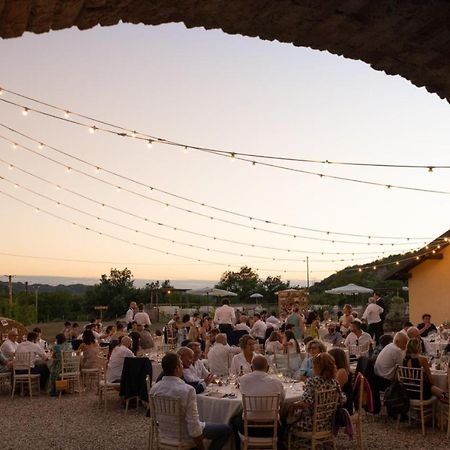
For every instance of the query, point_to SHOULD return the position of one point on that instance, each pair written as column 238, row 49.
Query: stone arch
column 410, row 38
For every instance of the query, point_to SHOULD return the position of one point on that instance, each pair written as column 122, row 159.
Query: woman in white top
column 242, row 362
column 290, row 343
column 273, row 344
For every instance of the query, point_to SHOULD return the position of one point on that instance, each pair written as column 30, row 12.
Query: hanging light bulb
column 68, row 169
column 16, row 186
column 1, row 91
column 25, row 111
column 118, row 189
column 92, row 129
column 14, row 146
column 58, row 187
column 97, row 169
column 10, row 167
column 133, row 134
column 185, row 149
column 66, row 114
column 40, row 146
column 430, row 169
column 149, row 144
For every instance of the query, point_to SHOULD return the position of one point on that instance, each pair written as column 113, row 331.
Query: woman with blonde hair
column 324, row 378
column 346, row 319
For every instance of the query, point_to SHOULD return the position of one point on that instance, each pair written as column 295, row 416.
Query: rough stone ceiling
column 410, row 38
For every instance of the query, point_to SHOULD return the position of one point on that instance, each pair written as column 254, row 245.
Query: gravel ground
column 75, row 422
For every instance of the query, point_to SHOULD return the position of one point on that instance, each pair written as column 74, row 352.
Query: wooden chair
column 324, row 410
column 5, row 382
column 70, row 371
column 166, row 428
column 412, row 380
column 260, row 412
column 23, row 361
column 445, row 409
column 358, row 413
column 104, row 388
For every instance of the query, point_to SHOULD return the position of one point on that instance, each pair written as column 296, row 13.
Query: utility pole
column 36, row 296
column 307, row 272
column 10, row 289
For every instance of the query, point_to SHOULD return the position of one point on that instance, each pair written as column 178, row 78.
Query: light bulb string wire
column 216, row 150
column 153, row 188
column 184, row 230
column 229, row 222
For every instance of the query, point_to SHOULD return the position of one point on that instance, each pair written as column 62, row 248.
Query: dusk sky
column 207, row 88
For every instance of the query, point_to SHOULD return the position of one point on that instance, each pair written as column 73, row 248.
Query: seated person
column 90, row 349
column 116, row 360
column 242, row 325
column 290, row 344
column 414, row 333
column 387, row 361
column 41, row 342
column 384, row 340
column 313, row 348
column 257, row 383
column 5, row 365
column 10, row 344
column 333, row 337
column 219, row 355
column 273, row 344
column 259, row 328
column 197, row 365
column 273, row 321
column 415, row 360
column 38, row 362
column 343, row 376
column 406, row 326
column 357, row 336
column 241, row 363
column 426, row 327
column 324, row 377
column 60, row 346
column 172, row 385
column 189, row 374
column 146, row 340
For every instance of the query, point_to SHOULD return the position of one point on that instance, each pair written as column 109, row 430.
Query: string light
column 66, row 114
column 40, row 146
column 92, row 129
column 14, row 146
column 271, row 222
column 68, row 169
column 25, row 111
column 149, row 144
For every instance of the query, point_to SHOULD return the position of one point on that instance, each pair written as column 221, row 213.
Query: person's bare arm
column 199, row 442
column 426, row 368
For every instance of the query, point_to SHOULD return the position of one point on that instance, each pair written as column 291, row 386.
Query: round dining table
column 440, row 379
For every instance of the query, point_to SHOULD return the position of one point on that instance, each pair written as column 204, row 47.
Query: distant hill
column 21, row 287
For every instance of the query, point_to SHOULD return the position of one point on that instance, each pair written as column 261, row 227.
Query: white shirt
column 242, row 327
column 42, row 343
column 225, row 315
column 218, row 358
column 260, row 383
column 239, row 361
column 352, row 339
column 8, row 348
column 129, row 316
column 175, row 387
column 274, row 347
column 272, row 320
column 142, row 318
column 116, row 360
column 389, row 358
column 372, row 313
column 31, row 347
column 259, row 329
column 200, row 370
column 190, row 376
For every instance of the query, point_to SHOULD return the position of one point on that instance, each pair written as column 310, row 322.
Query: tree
column 271, row 285
column 244, row 283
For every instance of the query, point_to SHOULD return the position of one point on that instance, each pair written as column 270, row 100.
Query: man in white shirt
column 258, row 383
column 372, row 315
column 242, row 325
column 192, row 430
column 141, row 317
column 219, row 355
column 225, row 317
column 38, row 359
column 273, row 321
column 357, row 336
column 259, row 328
column 129, row 316
column 387, row 361
column 117, row 358
column 197, row 364
column 9, row 346
column 189, row 373
column 242, row 361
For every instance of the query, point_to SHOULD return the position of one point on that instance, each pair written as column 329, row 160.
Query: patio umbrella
column 213, row 292
column 256, row 295
column 349, row 289
column 7, row 325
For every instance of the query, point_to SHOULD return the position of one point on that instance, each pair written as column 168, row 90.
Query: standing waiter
column 225, row 317
column 380, row 302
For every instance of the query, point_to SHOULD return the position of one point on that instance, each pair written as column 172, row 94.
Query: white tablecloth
column 156, row 370
column 440, row 379
column 431, row 348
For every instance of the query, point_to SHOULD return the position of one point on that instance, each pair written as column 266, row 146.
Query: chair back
column 281, row 363
column 23, row 361
column 260, row 411
column 166, row 411
column 70, row 363
column 325, row 406
column 412, row 380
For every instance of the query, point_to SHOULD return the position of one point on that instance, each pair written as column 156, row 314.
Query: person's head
column 295, row 309
column 88, row 326
column 196, row 348
column 67, row 324
column 413, row 333
column 109, row 329
column 187, row 356
column 158, row 333
column 171, row 365
column 331, row 327
column 88, row 337
column 221, row 338
column 377, row 295
column 75, row 326
column 126, row 341
column 260, row 364
column 247, row 343
column 315, row 347
column 347, row 309
column 243, row 318
column 372, row 300
column 38, row 331
column 119, row 326
column 225, row 301
column 400, row 340
column 273, row 313
column 413, row 347
column 326, row 315
column 339, row 314
column 407, row 325
column 133, row 305
column 186, row 318
column 312, row 316
column 139, row 328
column 307, row 340
column 32, row 336
column 340, row 358
column 274, row 336
column 134, row 325
column 324, row 366
column 13, row 334
column 256, row 317
column 212, row 335
column 355, row 327
column 355, row 314
column 426, row 318
column 289, row 335
column 384, row 340
column 141, row 307
column 60, row 338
